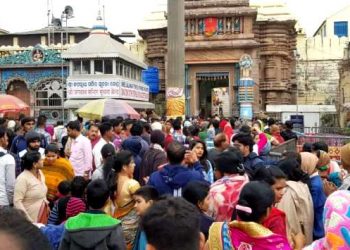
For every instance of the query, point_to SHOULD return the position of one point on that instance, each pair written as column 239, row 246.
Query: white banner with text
column 107, row 88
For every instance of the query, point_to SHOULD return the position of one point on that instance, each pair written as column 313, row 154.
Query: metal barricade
column 276, row 152
column 334, row 142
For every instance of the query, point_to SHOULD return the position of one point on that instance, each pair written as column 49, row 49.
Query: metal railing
column 334, row 142
column 276, row 152
column 323, row 130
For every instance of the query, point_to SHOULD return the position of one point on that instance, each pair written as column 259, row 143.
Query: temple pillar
column 175, row 93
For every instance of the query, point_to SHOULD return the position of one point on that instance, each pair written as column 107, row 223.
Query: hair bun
column 243, row 202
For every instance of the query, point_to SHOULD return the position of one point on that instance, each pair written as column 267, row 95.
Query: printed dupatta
column 239, row 235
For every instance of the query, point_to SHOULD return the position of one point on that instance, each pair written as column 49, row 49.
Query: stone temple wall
column 318, row 82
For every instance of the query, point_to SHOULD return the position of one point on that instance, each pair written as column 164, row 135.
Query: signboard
column 246, row 111
column 220, row 104
column 107, row 88
column 175, row 102
column 151, row 78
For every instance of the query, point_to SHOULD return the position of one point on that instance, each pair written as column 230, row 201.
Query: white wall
column 342, row 15
column 310, row 119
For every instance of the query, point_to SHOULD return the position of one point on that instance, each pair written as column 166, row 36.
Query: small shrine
column 36, row 76
column 101, row 67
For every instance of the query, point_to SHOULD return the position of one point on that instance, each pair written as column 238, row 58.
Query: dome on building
column 101, row 45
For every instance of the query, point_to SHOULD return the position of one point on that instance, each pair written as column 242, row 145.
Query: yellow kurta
column 60, row 170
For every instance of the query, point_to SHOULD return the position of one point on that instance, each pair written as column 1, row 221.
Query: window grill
column 48, row 94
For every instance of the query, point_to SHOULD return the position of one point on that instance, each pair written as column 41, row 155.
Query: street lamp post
column 67, row 13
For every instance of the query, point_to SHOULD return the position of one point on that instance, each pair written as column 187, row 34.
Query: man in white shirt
column 106, row 131
column 7, row 172
column 59, row 132
column 80, row 152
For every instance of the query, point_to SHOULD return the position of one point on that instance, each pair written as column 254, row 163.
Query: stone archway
column 19, row 89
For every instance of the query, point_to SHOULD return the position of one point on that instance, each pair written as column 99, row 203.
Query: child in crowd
column 197, row 193
column 144, row 199
column 63, row 189
column 69, row 205
column 94, row 229
column 276, row 221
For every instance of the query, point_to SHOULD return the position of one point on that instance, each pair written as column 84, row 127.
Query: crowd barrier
column 334, row 142
column 277, row 151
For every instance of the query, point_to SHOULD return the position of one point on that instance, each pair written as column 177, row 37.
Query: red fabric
column 276, row 222
column 74, row 207
column 222, row 124
column 168, row 139
column 95, row 141
column 59, row 195
column 211, row 25
column 278, row 137
column 228, row 131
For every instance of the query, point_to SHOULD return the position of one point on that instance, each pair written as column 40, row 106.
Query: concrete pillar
column 176, row 59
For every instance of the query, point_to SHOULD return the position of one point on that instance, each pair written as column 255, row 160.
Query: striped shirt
column 65, row 208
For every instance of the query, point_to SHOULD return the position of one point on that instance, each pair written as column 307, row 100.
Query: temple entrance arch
column 19, row 89
column 213, row 95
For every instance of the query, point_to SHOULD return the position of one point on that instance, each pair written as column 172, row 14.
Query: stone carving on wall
column 220, row 26
column 30, row 76
column 37, row 55
column 237, row 25
column 246, row 64
column 210, row 26
column 201, row 26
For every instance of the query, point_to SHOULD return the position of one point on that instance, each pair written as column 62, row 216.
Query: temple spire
column 99, row 27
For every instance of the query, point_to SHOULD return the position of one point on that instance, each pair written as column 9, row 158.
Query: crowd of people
column 189, row 184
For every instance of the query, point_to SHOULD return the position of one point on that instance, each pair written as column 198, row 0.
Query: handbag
column 44, row 213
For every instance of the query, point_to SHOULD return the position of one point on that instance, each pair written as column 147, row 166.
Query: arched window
column 50, row 93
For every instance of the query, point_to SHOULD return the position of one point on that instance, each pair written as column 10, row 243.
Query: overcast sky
column 126, row 15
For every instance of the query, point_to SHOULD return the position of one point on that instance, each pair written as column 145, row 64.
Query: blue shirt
column 172, row 178
column 318, row 199
column 140, row 241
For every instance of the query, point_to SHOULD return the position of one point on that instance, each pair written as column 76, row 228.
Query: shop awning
column 75, row 104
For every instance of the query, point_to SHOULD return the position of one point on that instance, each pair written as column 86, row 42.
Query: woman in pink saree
column 247, row 233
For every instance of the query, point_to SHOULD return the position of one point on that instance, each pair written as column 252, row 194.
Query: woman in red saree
column 247, row 233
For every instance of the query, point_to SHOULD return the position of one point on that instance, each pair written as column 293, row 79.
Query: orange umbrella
column 10, row 103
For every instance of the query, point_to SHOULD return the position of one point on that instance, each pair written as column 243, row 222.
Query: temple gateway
column 239, row 58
